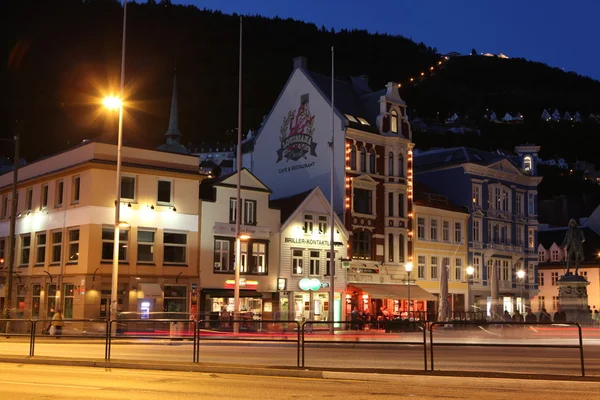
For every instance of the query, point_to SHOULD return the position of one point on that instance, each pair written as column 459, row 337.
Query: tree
column 473, row 52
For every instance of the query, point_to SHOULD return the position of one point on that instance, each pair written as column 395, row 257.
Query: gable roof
column 431, row 159
column 556, row 235
column 207, row 185
column 287, row 205
column 427, row 197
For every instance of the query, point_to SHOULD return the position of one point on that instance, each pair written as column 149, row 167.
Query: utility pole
column 10, row 260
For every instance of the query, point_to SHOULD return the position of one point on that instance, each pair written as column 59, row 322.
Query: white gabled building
column 305, row 255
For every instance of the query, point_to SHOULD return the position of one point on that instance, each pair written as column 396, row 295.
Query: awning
column 149, row 291
column 229, row 293
column 396, row 292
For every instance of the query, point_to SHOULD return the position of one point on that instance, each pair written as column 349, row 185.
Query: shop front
column 397, row 299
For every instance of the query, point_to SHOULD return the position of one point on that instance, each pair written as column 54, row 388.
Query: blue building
column 500, row 192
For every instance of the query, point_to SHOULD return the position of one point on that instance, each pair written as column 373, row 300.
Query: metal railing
column 433, row 325
column 34, row 325
column 310, row 326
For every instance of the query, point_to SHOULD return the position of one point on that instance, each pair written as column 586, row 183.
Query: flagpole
column 332, row 217
column 238, row 206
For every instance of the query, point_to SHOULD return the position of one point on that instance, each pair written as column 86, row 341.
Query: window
column 323, row 224
column 457, row 232
column 400, row 165
column 44, row 197
column 505, row 271
column 434, row 267
column 351, row 118
column 554, row 277
column 259, row 258
column 394, row 121
column 25, row 249
column 250, row 212
column 297, row 258
column 59, row 194
column 446, row 231
column 372, row 161
column 363, row 201
column 527, row 163
column 401, row 205
column 433, row 229
column 175, row 301
column 20, row 306
column 232, row 210
column 108, row 241
column 476, row 268
column 541, row 302
column 175, row 247
column 519, row 238
column 73, row 245
column 40, row 253
column 69, row 296
column 353, row 158
column 361, row 246
column 4, row 206
column 314, row 261
column 128, row 188
column 145, row 239
column 363, row 160
column 458, row 268
column 36, row 290
column 56, row 255
column 476, row 194
column 390, row 204
column 519, row 203
column 328, row 263
column 555, row 302
column 401, row 247
column 476, row 230
column 76, row 183
column 531, row 273
column 308, row 223
column 51, row 300
column 554, row 255
column 243, row 256
column 164, row 193
column 222, row 256
column 541, row 256
column 362, row 121
column 421, row 228
column 531, row 204
column 28, row 199
column 391, row 247
column 391, row 164
column 531, row 238
column 541, row 278
column 505, row 200
column 421, row 261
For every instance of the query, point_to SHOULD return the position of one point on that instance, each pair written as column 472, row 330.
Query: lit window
column 361, row 245
column 314, row 263
column 73, row 248
column 394, row 121
column 25, row 249
column 363, row 121
column 350, row 118
column 527, row 163
column 259, row 258
column 249, row 212
column 222, row 256
column 108, row 240
column 297, row 258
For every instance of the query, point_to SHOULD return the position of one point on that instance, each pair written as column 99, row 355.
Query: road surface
column 24, row 382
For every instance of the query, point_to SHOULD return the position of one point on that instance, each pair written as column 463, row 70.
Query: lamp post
column 10, row 245
column 408, row 267
column 470, row 271
column 521, row 275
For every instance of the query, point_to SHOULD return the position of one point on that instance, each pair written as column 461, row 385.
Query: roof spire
column 173, row 133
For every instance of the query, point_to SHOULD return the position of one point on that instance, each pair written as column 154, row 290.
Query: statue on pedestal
column 573, row 244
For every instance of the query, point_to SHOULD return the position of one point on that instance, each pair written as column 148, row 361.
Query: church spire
column 173, row 135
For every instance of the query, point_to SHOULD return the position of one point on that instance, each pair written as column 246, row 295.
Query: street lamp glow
column 112, row 102
column 123, row 224
column 408, row 266
column 520, row 274
column 244, row 237
column 470, row 270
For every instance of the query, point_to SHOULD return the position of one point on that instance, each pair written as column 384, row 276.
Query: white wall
column 288, row 177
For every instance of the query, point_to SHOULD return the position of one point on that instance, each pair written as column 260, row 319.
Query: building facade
column 371, row 165
column 441, row 242
column 501, row 195
column 65, row 233
column 259, row 297
column 305, row 258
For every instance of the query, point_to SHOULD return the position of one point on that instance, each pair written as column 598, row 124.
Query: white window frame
column 223, row 254
column 554, row 255
column 531, row 238
column 40, row 248
column 54, row 244
column 232, row 209
column 458, row 232
column 143, row 243
column 434, row 267
column 433, row 229
column 44, row 197
column 314, row 263
column 243, row 256
column 28, row 199
column 476, row 268
column 476, row 194
column 122, row 243
column 59, row 194
column 477, row 229
column 297, row 262
column 445, row 230
column 309, row 221
column 323, row 221
column 177, row 245
column 249, row 212
column 421, row 267
column 458, row 269
column 73, row 244
column 24, row 248
column 421, row 228
column 75, row 189
column 259, row 258
column 394, row 121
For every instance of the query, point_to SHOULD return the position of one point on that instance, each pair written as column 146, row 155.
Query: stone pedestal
column 573, row 298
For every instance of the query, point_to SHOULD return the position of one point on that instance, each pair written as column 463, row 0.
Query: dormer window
column 363, row 121
column 527, row 163
column 351, row 118
column 394, row 121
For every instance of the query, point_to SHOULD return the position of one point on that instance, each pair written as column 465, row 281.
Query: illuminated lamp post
column 521, row 275
column 408, row 267
column 470, row 272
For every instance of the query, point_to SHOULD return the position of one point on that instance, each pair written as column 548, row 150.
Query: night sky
column 561, row 34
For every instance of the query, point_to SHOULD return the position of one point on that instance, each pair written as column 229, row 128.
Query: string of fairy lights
column 440, row 64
